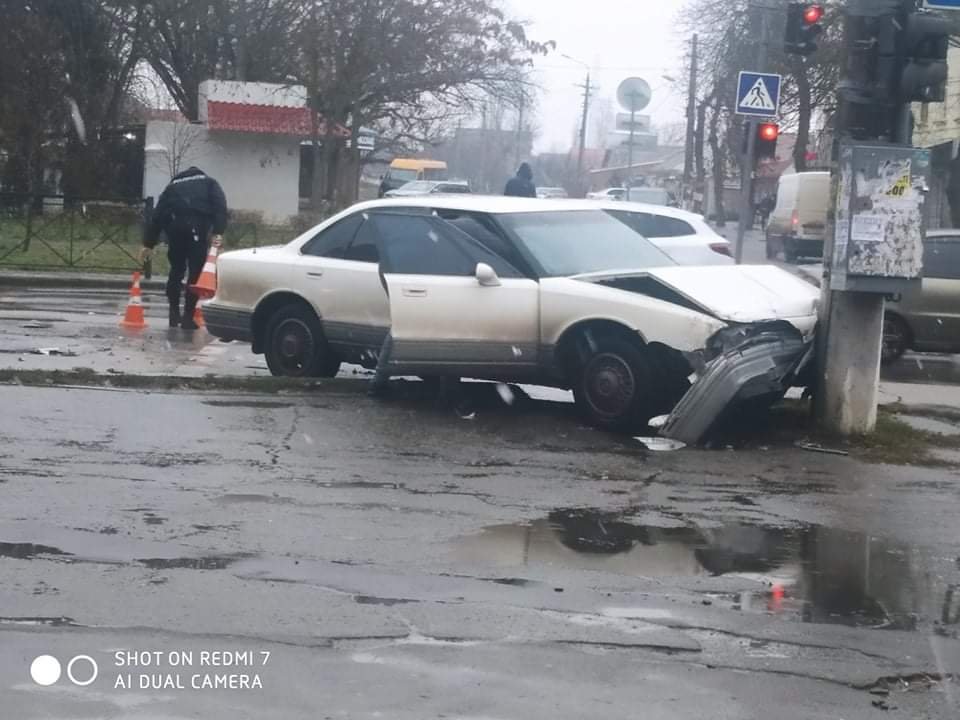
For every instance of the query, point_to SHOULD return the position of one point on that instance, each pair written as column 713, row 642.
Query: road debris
column 53, row 351
column 814, row 447
column 658, row 444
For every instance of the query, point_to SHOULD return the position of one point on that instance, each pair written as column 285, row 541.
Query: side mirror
column 487, row 276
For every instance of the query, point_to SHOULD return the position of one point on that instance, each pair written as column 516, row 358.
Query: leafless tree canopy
column 401, row 66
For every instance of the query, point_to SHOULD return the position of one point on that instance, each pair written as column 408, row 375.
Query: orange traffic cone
column 133, row 318
column 206, row 285
column 198, row 317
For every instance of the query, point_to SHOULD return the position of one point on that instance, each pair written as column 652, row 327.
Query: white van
column 798, row 223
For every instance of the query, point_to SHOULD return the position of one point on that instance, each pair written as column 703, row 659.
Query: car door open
column 456, row 307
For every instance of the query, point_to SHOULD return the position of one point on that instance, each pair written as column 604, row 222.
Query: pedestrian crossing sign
column 758, row 94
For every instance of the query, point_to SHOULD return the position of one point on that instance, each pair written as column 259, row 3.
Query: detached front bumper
column 763, row 364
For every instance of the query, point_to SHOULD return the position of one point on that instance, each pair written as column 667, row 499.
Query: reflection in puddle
column 815, row 574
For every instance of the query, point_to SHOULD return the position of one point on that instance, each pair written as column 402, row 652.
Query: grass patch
column 894, row 442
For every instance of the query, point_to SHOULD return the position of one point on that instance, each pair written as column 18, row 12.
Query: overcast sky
column 617, row 38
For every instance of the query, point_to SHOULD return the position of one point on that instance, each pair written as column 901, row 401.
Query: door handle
column 414, row 292
column 315, row 273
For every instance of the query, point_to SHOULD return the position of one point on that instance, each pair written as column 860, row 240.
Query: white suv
column 518, row 290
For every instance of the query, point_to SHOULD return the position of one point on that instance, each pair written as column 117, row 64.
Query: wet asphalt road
column 405, row 561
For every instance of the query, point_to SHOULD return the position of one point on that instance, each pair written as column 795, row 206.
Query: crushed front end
column 753, row 364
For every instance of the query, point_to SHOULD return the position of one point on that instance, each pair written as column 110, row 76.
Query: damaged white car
column 555, row 293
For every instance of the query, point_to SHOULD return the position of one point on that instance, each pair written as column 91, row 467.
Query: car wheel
column 615, row 388
column 896, row 339
column 296, row 346
column 790, row 251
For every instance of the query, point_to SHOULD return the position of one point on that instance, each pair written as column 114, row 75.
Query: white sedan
column 549, row 292
column 684, row 236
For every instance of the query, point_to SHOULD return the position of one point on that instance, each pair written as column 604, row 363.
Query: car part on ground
column 758, row 370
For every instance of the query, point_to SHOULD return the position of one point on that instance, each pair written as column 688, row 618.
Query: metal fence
column 51, row 232
column 55, row 232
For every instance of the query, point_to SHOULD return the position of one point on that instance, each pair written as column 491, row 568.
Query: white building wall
column 259, row 173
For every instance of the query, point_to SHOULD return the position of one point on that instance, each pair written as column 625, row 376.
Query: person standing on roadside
column 521, row 184
column 192, row 213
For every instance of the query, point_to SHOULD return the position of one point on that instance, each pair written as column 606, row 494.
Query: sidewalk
column 59, row 278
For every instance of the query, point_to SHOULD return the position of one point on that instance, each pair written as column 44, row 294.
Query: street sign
column 758, row 94
column 634, row 94
column 641, row 123
column 943, row 4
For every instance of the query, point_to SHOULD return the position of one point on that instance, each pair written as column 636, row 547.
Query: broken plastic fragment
column 505, row 393
column 657, row 444
column 659, row 421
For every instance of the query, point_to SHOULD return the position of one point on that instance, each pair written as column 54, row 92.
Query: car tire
column 615, row 387
column 790, row 251
column 296, row 345
column 896, row 339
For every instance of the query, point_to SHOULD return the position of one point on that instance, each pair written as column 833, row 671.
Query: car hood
column 739, row 294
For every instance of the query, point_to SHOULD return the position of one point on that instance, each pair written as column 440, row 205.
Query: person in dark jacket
column 521, row 184
column 192, row 213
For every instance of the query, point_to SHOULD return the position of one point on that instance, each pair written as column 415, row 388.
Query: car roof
column 495, row 204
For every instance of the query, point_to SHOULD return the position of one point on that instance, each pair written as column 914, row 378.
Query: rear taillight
column 795, row 219
column 722, row 248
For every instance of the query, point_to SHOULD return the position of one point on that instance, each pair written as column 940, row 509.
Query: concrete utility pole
column 850, row 334
column 583, row 127
column 749, row 160
column 690, row 148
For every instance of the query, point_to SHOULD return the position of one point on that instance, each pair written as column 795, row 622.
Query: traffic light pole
column 850, row 332
column 750, row 158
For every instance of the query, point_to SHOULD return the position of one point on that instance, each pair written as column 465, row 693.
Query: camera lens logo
column 46, row 670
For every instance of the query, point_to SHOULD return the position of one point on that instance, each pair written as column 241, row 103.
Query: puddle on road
column 27, row 551
column 811, row 573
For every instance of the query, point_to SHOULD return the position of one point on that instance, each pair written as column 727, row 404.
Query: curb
column 75, row 280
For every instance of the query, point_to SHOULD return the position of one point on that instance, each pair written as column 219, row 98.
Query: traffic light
column 922, row 62
column 767, row 135
column 803, row 28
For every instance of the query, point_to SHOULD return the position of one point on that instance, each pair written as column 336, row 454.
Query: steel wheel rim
column 294, row 346
column 610, row 385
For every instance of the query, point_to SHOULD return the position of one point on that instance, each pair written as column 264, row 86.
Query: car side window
column 941, row 258
column 478, row 230
column 418, row 245
column 665, row 227
column 332, row 242
column 364, row 245
column 642, row 223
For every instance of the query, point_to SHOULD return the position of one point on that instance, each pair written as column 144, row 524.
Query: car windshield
column 565, row 243
column 403, row 175
column 419, row 186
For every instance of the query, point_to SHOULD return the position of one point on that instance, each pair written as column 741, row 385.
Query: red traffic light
column 812, row 14
column 769, row 132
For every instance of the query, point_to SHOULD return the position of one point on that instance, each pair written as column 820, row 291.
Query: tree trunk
column 719, row 169
column 699, row 160
column 805, row 112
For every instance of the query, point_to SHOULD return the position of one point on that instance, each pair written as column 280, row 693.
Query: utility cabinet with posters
column 879, row 228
